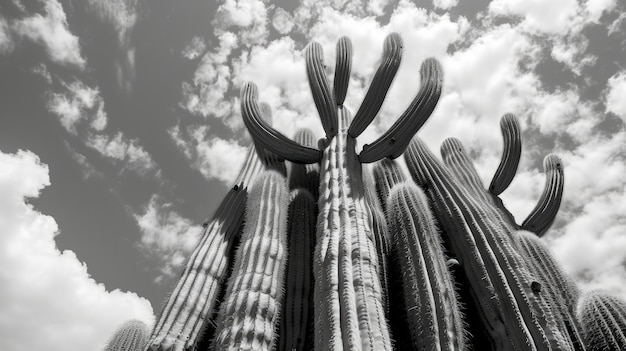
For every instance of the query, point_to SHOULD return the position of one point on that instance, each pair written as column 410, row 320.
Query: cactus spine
column 131, row 336
column 603, row 318
column 251, row 309
column 431, row 304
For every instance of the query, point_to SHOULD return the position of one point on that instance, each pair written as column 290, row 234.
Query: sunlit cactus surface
column 313, row 249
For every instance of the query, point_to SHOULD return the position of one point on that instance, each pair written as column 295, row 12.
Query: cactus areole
column 349, row 312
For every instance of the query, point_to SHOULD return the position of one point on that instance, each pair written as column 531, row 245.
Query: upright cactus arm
column 305, row 176
column 393, row 142
column 387, row 173
column 390, row 61
column 603, row 318
column 194, row 299
column 461, row 166
column 251, row 310
column 510, row 156
column 431, row 302
column 322, row 95
column 294, row 324
column 343, row 67
column 512, row 310
column 131, row 336
column 266, row 136
column 542, row 216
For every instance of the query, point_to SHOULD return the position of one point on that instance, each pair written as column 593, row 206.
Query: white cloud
column 445, row 4
column 616, row 93
column 195, row 48
column 51, row 30
column 119, row 148
column 282, row 21
column 166, row 235
column 248, row 17
column 121, row 13
column 214, row 157
column 6, row 40
column 47, row 292
column 79, row 102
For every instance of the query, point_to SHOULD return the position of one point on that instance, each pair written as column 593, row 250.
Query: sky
column 120, row 131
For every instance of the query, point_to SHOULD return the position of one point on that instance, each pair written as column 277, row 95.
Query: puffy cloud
column 47, row 292
column 248, row 17
column 282, row 21
column 51, row 30
column 166, row 235
column 195, row 48
column 615, row 96
column 214, row 157
column 79, row 102
column 445, row 4
column 119, row 148
column 6, row 40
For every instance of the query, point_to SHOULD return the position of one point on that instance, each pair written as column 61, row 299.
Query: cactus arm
column 266, row 136
column 511, row 154
column 194, row 298
column 130, row 336
column 431, row 303
column 343, row 66
column 387, row 173
column 251, row 310
column 603, row 318
column 305, row 176
column 542, row 216
column 322, row 95
column 484, row 242
column 390, row 61
column 393, row 142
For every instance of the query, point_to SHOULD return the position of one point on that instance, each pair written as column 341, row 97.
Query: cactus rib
column 343, row 66
column 395, row 140
column 320, row 89
column 251, row 310
column 387, row 173
column 511, row 154
column 603, row 318
column 266, row 136
column 544, row 213
column 390, row 61
column 130, row 336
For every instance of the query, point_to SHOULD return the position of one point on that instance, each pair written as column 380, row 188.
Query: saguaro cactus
column 603, row 318
column 349, row 308
column 131, row 336
column 251, row 309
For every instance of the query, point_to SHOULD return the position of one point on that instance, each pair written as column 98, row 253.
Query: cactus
column 251, row 309
column 542, row 216
column 387, row 173
column 433, row 313
column 603, row 318
column 510, row 156
column 131, row 336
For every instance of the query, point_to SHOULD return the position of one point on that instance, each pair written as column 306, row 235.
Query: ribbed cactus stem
column 387, row 173
column 250, row 312
column 513, row 312
column 390, row 61
column 347, row 295
column 269, row 159
column 267, row 137
column 603, row 318
column 544, row 213
column 320, row 88
column 461, row 166
column 194, row 299
column 395, row 140
column 305, row 176
column 511, row 154
column 433, row 314
column 294, row 324
column 557, row 286
column 131, row 336
column 343, row 66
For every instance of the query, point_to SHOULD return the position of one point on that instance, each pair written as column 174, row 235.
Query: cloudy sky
column 120, row 130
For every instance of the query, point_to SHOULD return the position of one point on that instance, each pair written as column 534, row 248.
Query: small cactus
column 131, row 336
column 603, row 318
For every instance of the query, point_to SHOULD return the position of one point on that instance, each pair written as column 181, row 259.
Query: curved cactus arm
column 343, row 67
column 431, row 302
column 542, row 216
column 295, row 318
column 603, row 318
column 305, row 176
column 510, row 156
column 250, row 312
column 322, row 96
column 269, row 159
column 512, row 310
column 131, row 336
column 390, row 61
column 393, row 143
column 266, row 136
column 558, row 287
column 387, row 173
column 194, row 299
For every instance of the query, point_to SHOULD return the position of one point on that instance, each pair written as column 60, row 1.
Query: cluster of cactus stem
column 312, row 250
